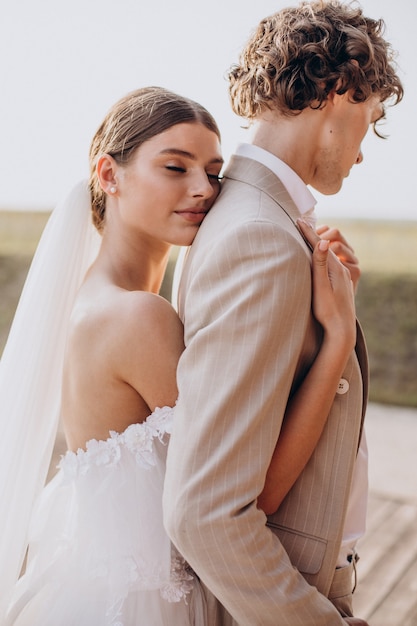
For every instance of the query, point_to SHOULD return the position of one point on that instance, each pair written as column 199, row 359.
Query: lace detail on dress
column 106, row 463
column 181, row 581
column 179, row 586
column 137, row 438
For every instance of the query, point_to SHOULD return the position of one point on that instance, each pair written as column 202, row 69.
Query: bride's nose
column 201, row 186
column 359, row 158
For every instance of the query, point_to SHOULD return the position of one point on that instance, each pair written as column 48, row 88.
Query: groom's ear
column 106, row 172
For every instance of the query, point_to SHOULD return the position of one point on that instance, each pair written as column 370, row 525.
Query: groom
column 311, row 80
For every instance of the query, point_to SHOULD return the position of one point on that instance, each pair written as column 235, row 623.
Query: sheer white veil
column 31, row 370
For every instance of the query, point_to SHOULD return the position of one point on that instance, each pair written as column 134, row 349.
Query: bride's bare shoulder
column 124, row 325
column 150, row 315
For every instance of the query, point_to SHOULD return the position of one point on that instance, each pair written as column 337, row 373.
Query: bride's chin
column 186, row 239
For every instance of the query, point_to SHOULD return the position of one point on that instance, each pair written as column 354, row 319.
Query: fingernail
column 324, row 245
column 301, row 221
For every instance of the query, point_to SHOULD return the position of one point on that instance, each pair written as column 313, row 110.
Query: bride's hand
column 343, row 250
column 333, row 294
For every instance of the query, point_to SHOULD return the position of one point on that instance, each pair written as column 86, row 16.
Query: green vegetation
column 387, row 305
column 387, row 309
column 386, row 299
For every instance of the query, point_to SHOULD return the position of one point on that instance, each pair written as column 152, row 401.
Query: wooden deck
column 387, row 570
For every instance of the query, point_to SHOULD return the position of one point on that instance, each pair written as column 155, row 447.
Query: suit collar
column 296, row 187
column 255, row 174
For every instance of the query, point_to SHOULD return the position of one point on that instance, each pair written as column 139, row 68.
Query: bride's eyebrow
column 189, row 155
column 178, row 152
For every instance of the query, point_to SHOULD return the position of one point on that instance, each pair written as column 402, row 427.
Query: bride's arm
column 307, row 411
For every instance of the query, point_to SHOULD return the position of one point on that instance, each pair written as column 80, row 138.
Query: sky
column 64, row 64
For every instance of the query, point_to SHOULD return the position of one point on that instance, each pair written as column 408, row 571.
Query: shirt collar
column 297, row 189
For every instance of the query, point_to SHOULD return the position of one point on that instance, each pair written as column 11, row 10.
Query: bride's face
column 171, row 183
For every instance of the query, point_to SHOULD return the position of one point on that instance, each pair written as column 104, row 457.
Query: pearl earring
column 112, row 189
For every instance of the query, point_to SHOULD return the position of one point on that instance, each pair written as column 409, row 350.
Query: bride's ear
column 106, row 173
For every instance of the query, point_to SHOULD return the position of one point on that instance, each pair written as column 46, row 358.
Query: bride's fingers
column 342, row 249
column 327, row 270
column 335, row 236
column 308, row 232
column 323, row 255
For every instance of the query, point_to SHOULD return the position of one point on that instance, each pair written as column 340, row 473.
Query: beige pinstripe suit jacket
column 245, row 299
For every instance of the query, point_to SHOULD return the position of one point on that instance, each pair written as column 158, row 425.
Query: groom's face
column 339, row 145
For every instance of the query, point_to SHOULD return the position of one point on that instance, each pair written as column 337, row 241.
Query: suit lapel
column 362, row 356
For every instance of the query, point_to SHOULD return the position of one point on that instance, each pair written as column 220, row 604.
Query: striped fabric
column 245, row 299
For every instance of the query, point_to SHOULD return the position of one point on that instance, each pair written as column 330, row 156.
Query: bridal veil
column 31, row 370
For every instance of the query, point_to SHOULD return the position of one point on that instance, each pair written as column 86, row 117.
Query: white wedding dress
column 98, row 552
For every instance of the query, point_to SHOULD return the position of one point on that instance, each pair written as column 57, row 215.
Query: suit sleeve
column 246, row 313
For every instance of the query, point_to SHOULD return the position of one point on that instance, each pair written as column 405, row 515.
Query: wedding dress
column 98, row 553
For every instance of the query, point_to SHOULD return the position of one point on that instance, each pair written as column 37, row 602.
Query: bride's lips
column 193, row 215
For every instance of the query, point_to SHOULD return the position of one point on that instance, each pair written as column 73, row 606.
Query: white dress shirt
column 305, row 202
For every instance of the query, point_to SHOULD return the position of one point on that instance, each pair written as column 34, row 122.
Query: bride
column 93, row 344
column 98, row 553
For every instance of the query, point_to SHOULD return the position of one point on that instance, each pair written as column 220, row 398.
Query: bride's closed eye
column 175, row 168
column 214, row 177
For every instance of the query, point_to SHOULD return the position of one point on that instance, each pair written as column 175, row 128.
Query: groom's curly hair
column 298, row 55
